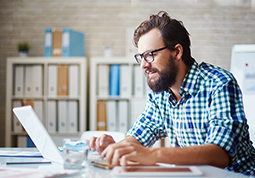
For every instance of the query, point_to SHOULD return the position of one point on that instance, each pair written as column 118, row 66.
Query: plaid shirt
column 210, row 111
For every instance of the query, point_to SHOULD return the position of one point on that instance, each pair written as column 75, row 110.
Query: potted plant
column 23, row 48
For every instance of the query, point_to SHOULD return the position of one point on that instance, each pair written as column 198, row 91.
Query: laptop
column 37, row 132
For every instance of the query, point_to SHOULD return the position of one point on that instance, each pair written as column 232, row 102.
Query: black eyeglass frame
column 146, row 52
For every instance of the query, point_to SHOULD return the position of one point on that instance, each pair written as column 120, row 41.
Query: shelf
column 40, row 101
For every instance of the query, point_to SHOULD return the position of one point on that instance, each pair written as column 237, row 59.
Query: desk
column 93, row 172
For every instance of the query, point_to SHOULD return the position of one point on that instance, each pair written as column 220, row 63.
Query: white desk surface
column 93, row 172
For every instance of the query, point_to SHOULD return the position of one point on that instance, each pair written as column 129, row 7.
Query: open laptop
column 37, row 132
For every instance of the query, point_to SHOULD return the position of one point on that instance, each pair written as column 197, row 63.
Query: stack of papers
column 4, row 153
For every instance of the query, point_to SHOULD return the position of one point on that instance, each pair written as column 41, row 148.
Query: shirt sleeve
column 149, row 127
column 227, row 124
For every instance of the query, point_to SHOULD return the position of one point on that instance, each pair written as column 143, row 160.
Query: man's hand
column 100, row 143
column 129, row 150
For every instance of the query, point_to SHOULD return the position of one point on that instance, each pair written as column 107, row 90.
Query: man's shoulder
column 211, row 72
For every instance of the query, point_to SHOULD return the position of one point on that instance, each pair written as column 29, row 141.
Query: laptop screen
column 37, row 132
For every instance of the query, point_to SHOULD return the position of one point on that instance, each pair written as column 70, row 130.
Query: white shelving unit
column 131, row 98
column 81, row 62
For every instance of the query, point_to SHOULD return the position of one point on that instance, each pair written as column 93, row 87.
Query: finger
column 119, row 152
column 92, row 143
column 99, row 150
column 108, row 153
column 131, row 156
column 111, row 150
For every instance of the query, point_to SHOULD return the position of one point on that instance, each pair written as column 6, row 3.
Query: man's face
column 162, row 72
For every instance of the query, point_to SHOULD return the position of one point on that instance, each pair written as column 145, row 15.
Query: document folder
column 48, row 42
column 72, row 43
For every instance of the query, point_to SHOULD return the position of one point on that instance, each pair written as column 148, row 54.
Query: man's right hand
column 100, row 143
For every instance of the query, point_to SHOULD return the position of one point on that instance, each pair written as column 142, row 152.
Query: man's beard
column 167, row 77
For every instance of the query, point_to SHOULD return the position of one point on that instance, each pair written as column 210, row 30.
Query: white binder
column 51, row 116
column 131, row 50
column 62, row 116
column 37, row 80
column 103, row 80
column 19, row 80
column 123, row 116
column 139, row 81
column 52, row 80
column 73, row 80
column 125, row 81
column 17, row 127
column 72, row 117
column 38, row 108
column 111, row 115
column 137, row 107
column 29, row 80
column 22, row 141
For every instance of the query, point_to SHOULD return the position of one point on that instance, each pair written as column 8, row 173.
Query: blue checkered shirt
column 210, row 111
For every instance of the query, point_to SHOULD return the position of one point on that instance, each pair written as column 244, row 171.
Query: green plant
column 23, row 46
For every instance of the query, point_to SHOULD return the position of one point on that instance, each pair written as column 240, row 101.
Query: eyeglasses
column 148, row 55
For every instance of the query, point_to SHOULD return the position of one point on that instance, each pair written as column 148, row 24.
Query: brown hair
column 172, row 32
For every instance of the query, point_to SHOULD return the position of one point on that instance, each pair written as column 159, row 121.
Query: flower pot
column 23, row 53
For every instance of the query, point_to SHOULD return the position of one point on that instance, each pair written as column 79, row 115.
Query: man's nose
column 144, row 64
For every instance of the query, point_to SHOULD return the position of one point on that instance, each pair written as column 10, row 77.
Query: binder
column 48, row 42
column 139, row 81
column 51, row 116
column 114, row 79
column 52, row 80
column 62, row 116
column 19, row 80
column 72, row 43
column 72, row 121
column 131, row 50
column 157, row 144
column 125, row 81
column 73, row 80
column 147, row 88
column 29, row 80
column 111, row 111
column 22, row 141
column 123, row 116
column 27, row 102
column 30, row 143
column 37, row 80
column 103, row 80
column 17, row 127
column 38, row 108
column 63, row 80
column 56, row 42
column 137, row 107
column 101, row 115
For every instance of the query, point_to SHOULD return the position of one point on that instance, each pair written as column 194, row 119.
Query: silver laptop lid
column 38, row 133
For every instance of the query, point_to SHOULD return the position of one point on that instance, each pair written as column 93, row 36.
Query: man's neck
column 183, row 70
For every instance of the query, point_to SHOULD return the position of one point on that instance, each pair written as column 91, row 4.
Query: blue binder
column 114, row 80
column 72, row 43
column 48, row 42
column 30, row 143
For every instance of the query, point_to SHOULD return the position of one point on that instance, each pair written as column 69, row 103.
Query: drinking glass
column 75, row 153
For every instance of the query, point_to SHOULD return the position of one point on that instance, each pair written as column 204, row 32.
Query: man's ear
column 178, row 51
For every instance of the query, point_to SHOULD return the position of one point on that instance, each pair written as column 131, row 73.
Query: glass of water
column 75, row 153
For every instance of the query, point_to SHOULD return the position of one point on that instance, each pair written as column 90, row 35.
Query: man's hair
column 172, row 32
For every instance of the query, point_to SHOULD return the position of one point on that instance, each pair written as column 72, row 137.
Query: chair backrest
column 117, row 136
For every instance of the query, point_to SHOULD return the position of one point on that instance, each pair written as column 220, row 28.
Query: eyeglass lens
column 148, row 57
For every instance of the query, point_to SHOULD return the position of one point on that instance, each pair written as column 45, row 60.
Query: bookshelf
column 39, row 73
column 133, row 97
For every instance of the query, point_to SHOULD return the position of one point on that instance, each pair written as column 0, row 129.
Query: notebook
column 37, row 132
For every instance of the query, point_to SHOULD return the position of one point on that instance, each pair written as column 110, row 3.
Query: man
column 197, row 106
